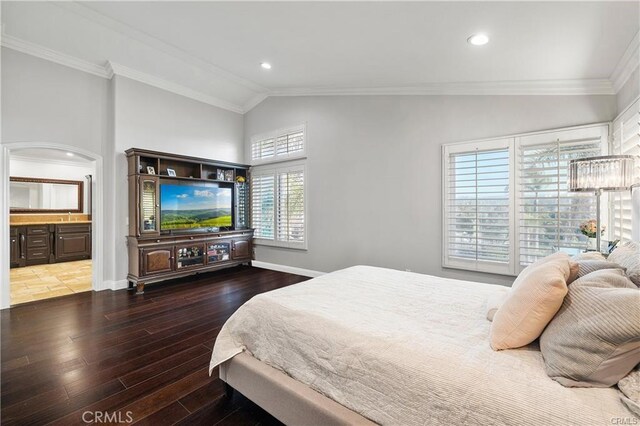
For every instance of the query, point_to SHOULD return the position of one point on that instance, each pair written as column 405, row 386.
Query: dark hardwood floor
column 119, row 357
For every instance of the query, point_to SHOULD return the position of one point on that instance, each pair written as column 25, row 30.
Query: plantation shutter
column 478, row 196
column 625, row 141
column 290, row 143
column 263, row 204
column 548, row 215
column 290, row 218
column 263, row 149
column 278, row 188
column 278, row 205
column 278, row 146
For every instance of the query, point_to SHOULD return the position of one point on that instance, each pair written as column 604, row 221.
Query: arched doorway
column 96, row 211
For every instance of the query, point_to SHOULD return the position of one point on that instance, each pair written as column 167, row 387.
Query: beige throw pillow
column 535, row 297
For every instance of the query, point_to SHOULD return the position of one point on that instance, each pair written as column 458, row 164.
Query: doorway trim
column 97, row 210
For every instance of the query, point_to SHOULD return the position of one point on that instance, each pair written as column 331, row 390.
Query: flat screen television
column 194, row 206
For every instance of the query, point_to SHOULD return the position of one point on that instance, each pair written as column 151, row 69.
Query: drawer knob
column 60, row 237
column 157, row 241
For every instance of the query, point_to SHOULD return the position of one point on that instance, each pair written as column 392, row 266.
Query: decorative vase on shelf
column 592, row 244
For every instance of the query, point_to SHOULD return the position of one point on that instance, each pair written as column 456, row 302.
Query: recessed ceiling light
column 266, row 65
column 69, row 154
column 478, row 39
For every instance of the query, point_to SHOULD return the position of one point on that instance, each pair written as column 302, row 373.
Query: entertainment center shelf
column 187, row 168
column 187, row 215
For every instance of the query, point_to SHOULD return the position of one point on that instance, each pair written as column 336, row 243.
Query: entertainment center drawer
column 154, row 242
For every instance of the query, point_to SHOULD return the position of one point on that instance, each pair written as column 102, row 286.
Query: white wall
column 46, row 102
column 151, row 118
column 374, row 164
column 36, row 168
column 629, row 92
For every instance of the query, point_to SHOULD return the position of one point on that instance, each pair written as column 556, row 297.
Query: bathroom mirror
column 35, row 195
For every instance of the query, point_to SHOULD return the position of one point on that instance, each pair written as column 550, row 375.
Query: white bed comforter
column 406, row 349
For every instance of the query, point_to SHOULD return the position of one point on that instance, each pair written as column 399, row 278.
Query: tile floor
column 44, row 281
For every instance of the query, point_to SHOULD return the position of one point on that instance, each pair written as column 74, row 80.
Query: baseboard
column 288, row 269
column 114, row 285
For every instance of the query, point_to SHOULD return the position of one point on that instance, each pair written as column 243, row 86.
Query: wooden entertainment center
column 164, row 249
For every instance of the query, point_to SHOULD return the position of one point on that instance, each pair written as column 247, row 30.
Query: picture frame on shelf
column 151, row 170
column 220, row 175
column 171, row 172
column 228, row 175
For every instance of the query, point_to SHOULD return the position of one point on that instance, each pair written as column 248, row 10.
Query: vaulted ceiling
column 213, row 50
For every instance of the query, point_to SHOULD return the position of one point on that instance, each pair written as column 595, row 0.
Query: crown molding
column 255, row 101
column 91, row 14
column 623, row 70
column 540, row 87
column 110, row 69
column 124, row 71
column 627, row 64
column 42, row 52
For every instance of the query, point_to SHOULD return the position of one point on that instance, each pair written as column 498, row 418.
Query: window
column 548, row 215
column 506, row 202
column 290, row 217
column 263, row 190
column 625, row 141
column 280, row 145
column 278, row 189
column 477, row 201
column 278, row 206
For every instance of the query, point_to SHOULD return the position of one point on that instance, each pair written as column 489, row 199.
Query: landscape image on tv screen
column 194, row 206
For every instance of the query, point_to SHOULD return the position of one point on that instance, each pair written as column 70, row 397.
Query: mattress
column 405, row 348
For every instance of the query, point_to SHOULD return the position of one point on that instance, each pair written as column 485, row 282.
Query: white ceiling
column 215, row 48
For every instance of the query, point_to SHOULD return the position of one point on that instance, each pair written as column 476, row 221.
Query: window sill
column 479, row 266
column 279, row 159
column 280, row 244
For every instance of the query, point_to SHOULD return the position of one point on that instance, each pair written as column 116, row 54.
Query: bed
column 369, row 344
